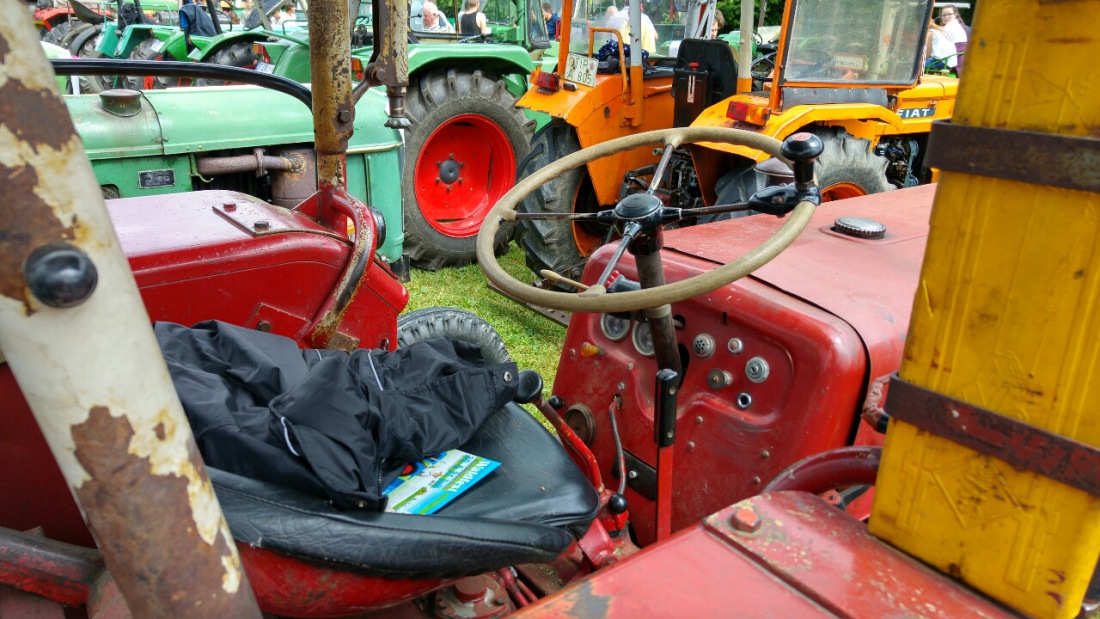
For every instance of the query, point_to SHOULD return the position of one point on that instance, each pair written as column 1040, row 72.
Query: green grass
column 534, row 341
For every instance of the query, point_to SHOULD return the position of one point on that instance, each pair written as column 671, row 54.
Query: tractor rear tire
column 82, row 44
column 848, row 168
column 238, row 54
column 57, row 33
column 560, row 246
column 460, row 158
column 454, row 323
column 145, row 51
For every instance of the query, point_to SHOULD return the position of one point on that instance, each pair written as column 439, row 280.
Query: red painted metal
column 721, row 569
column 465, row 166
column 284, row 586
column 797, row 313
column 57, row 571
column 663, row 514
column 836, row 468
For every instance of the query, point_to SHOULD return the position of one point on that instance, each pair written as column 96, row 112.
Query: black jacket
column 334, row 424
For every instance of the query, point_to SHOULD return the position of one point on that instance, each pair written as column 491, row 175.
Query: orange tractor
column 848, row 71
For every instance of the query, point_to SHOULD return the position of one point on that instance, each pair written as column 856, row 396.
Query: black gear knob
column 802, row 148
column 530, row 387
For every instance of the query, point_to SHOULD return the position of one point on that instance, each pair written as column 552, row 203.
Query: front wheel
column 453, row 323
column 465, row 138
column 848, row 168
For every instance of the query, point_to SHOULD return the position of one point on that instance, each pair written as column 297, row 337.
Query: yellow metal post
column 1007, row 317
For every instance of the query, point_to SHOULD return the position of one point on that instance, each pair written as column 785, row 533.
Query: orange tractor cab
column 848, row 71
column 719, row 400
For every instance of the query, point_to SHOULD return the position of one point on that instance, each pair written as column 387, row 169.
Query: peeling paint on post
column 92, row 372
column 330, row 66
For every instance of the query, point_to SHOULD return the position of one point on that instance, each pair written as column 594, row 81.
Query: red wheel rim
column 464, row 167
column 842, row 191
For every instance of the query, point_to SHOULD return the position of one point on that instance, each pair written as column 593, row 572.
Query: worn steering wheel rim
column 595, row 299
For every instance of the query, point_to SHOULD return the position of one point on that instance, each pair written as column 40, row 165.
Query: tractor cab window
column 856, row 41
column 667, row 17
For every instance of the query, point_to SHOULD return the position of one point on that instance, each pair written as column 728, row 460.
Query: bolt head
column 745, row 519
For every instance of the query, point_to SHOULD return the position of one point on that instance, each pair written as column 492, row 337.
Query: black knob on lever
column 530, row 387
column 803, row 149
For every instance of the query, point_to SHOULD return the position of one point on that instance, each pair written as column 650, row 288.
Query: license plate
column 98, row 40
column 195, row 54
column 118, row 49
column 158, row 45
column 581, row 69
column 265, row 67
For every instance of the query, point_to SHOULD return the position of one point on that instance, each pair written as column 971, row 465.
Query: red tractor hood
column 867, row 283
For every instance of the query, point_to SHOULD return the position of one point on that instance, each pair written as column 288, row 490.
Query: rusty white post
column 79, row 342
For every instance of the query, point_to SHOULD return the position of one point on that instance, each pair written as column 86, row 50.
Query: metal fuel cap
column 859, row 227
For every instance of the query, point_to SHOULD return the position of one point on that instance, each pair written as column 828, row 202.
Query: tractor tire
column 560, row 246
column 146, row 51
column 454, row 323
column 82, row 44
column 238, row 54
column 848, row 168
column 461, row 150
column 54, row 35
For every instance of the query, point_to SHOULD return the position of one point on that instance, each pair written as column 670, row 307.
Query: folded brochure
column 426, row 486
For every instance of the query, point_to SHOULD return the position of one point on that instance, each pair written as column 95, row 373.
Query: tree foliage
column 731, row 10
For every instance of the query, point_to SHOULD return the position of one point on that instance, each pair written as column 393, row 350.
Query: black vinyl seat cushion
column 528, row 510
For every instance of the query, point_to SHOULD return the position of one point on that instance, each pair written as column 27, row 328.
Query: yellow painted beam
column 1007, row 317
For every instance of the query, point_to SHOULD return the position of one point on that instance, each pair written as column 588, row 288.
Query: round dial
column 614, row 328
column 642, row 338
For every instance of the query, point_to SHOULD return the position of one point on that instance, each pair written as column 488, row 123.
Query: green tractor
column 465, row 135
column 253, row 140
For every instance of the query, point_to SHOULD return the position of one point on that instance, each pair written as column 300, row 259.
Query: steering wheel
column 820, row 61
column 646, row 207
column 762, row 67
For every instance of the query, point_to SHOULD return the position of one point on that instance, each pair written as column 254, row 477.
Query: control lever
column 529, row 391
column 664, row 427
column 803, row 149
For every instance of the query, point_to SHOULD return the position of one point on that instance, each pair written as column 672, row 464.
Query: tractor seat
column 530, row 509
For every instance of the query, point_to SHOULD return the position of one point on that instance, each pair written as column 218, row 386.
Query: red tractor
column 675, row 405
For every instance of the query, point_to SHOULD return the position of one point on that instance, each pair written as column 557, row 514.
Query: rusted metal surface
column 330, row 71
column 163, row 550
column 836, row 468
column 389, row 62
column 1024, row 446
column 54, row 570
column 1069, row 162
column 830, row 558
column 257, row 162
column 106, row 407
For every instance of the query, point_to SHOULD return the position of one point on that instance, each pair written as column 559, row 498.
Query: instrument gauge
column 643, row 339
column 614, row 328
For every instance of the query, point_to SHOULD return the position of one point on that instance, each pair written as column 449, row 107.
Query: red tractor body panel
column 823, row 324
column 194, row 261
column 804, row 558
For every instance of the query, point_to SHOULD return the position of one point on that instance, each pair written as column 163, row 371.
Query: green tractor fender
column 235, row 38
column 133, row 36
column 509, row 62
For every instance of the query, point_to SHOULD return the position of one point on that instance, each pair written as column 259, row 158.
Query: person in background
column 552, row 21
column 956, row 31
column 940, row 53
column 433, row 20
column 195, row 21
column 718, row 23
column 471, row 21
column 290, row 14
column 649, row 33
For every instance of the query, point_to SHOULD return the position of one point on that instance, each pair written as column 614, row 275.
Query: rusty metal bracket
column 1069, row 162
column 1019, row 444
